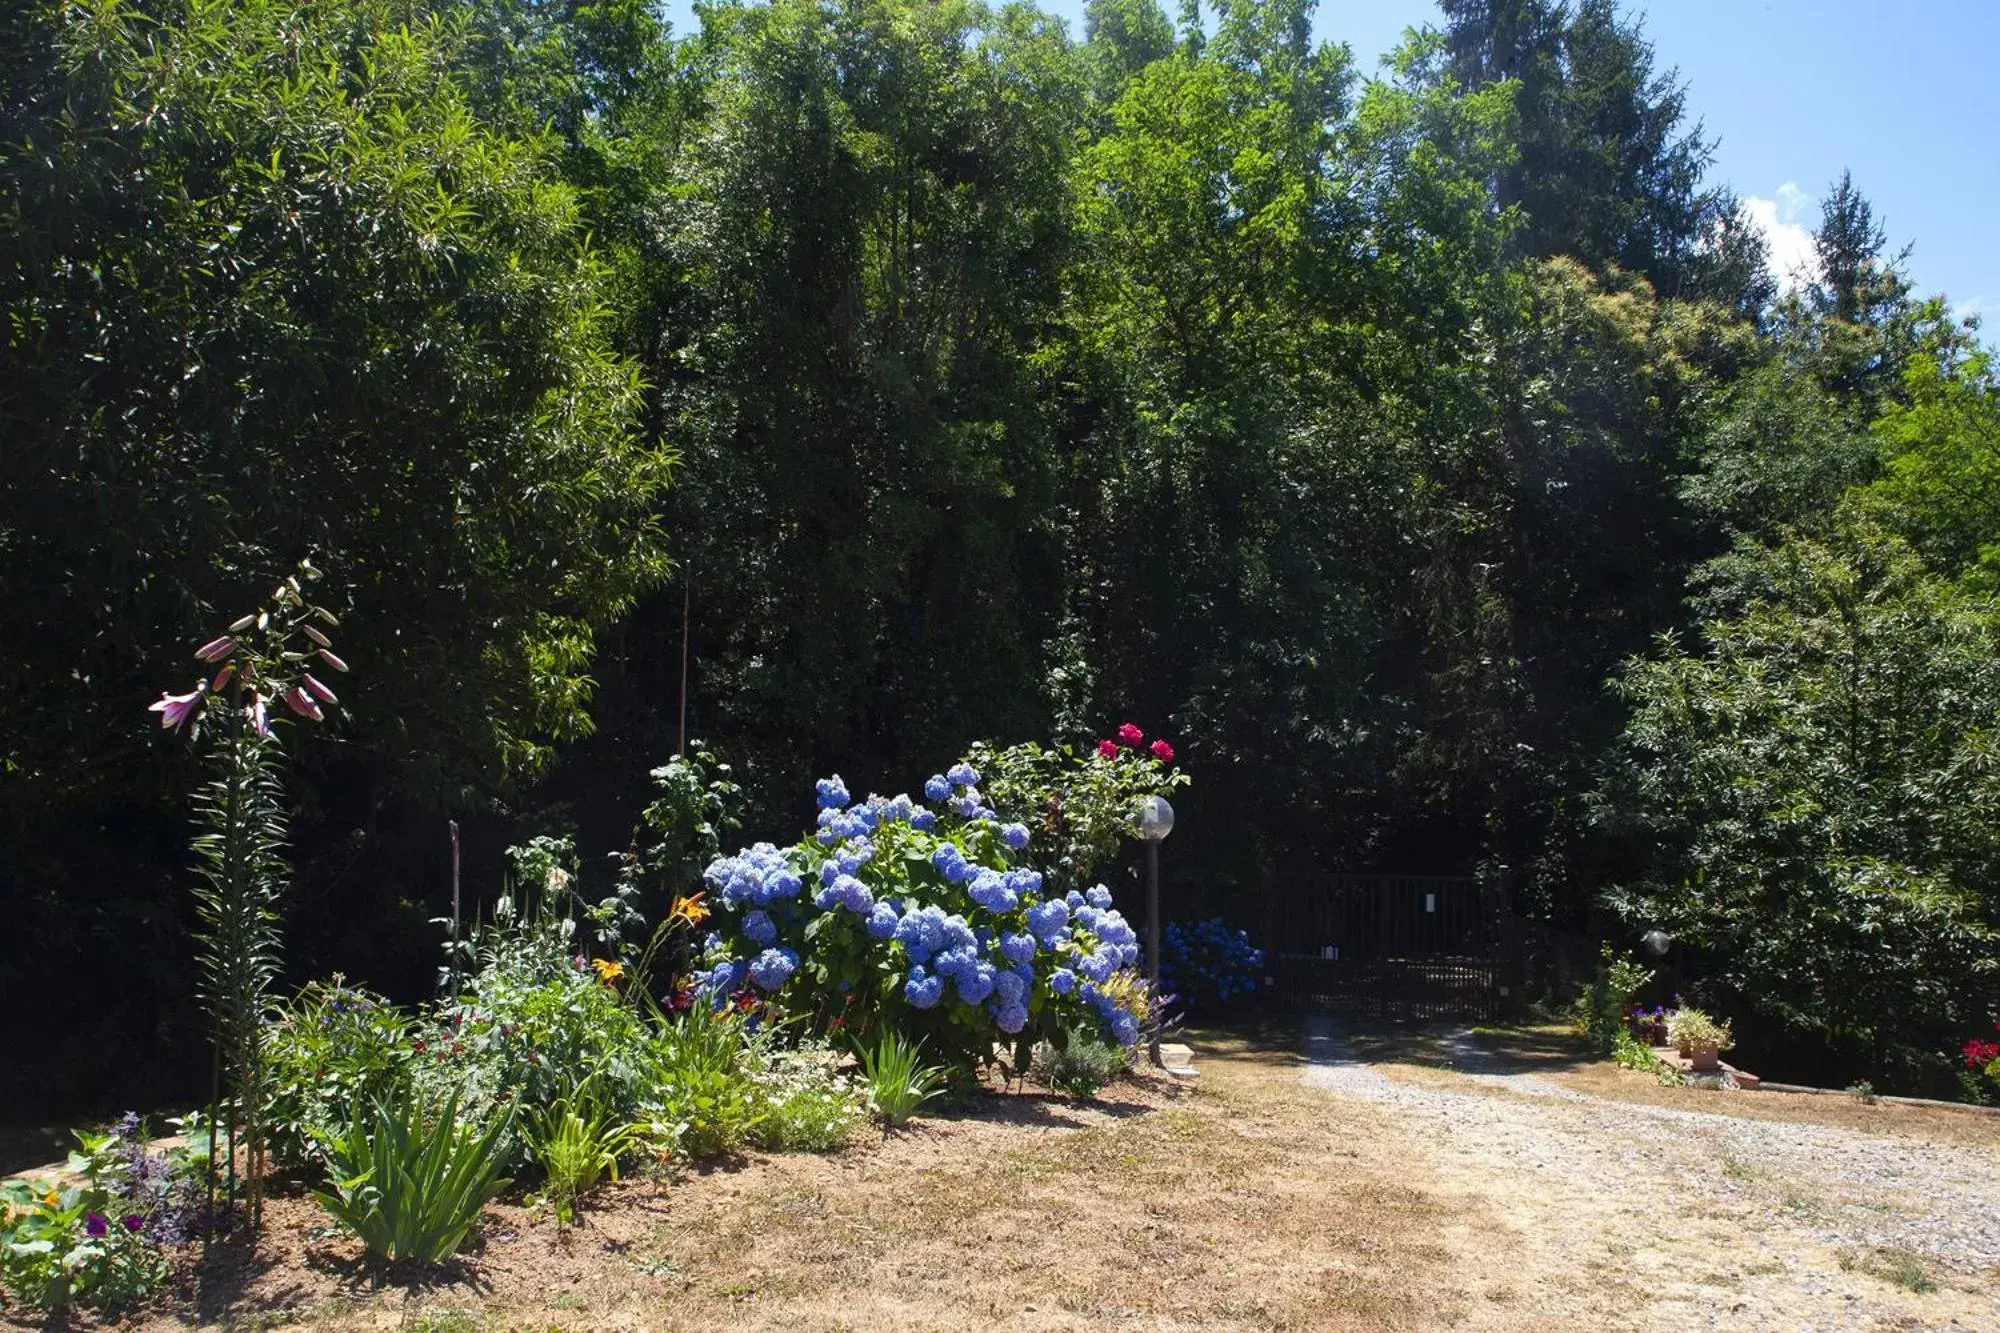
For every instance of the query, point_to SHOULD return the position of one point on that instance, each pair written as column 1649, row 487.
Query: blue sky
column 1905, row 95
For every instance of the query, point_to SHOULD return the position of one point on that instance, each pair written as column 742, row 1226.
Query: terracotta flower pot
column 1703, row 1059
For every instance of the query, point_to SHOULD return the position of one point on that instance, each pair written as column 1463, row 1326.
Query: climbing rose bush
column 923, row 916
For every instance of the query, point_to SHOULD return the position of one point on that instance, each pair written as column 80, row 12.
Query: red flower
column 1979, row 1054
column 1163, row 752
column 1131, row 735
column 1107, row 749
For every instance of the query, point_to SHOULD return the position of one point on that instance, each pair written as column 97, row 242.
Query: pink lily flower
column 316, row 636
column 332, row 661
column 260, row 721
column 297, row 700
column 326, row 695
column 175, row 709
column 216, row 649
column 223, row 677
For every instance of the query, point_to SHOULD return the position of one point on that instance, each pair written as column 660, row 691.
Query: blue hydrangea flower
column 1074, row 899
column 773, row 968
column 1017, row 947
column 900, row 809
column 951, row 863
column 1014, row 835
column 856, row 896
column 1049, row 921
column 989, row 890
column 956, row 933
column 760, row 929
column 1024, row 881
column 966, row 805
column 910, row 934
column 922, row 990
column 863, row 817
column 1062, row 981
column 1124, row 1029
column 784, row 883
column 831, row 792
column 1011, row 1018
column 963, row 774
column 986, row 812
column 853, row 855
column 1098, row 896
column 882, row 922
column 974, row 983
column 923, row 820
column 1099, row 965
column 1008, row 988
column 936, row 788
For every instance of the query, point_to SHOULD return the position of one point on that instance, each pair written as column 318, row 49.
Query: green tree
column 1815, row 779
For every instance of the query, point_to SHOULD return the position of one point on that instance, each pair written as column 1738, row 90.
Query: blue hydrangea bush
column 1207, row 966
column 921, row 914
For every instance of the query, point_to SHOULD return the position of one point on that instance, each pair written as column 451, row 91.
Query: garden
column 608, row 607
column 906, row 953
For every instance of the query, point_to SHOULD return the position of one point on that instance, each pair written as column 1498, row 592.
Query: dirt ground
column 1472, row 1182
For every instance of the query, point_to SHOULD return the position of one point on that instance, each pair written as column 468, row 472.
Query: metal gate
column 1388, row 946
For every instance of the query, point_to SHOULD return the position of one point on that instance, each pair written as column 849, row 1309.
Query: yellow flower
column 690, row 909
column 52, row 1199
column 608, row 972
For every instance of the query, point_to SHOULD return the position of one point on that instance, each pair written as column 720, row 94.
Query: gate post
column 1499, row 893
column 1269, row 884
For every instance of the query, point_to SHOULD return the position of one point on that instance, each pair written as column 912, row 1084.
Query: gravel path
column 1700, row 1219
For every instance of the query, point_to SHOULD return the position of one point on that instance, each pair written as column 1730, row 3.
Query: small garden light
column 1656, row 942
column 1156, row 821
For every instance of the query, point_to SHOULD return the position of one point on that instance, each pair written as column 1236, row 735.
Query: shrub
column 809, row 1104
column 1080, row 1065
column 1206, row 966
column 1981, row 1075
column 533, row 1021
column 699, row 1096
column 1079, row 805
column 898, row 1080
column 1600, row 1010
column 576, row 1142
column 929, row 922
column 412, row 1184
column 330, row 1051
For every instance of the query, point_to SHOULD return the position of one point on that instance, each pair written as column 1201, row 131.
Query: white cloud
column 1792, row 261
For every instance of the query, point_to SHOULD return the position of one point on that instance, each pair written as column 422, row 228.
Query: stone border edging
column 1799, row 1089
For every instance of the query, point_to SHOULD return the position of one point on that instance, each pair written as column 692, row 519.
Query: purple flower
column 94, row 1224
column 175, row 709
column 134, row 1222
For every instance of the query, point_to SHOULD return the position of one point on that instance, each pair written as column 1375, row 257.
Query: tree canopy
column 1433, row 455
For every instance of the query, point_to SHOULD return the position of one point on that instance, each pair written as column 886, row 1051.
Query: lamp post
column 1156, row 821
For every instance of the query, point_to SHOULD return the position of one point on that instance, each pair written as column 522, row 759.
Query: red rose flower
column 1163, row 752
column 1131, row 735
column 1107, row 749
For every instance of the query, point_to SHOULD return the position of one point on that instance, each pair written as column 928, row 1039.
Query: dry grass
column 1246, row 1203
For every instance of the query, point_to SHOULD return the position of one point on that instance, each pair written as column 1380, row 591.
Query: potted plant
column 1699, row 1038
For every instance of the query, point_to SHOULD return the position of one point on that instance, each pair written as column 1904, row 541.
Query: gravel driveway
column 1622, row 1215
